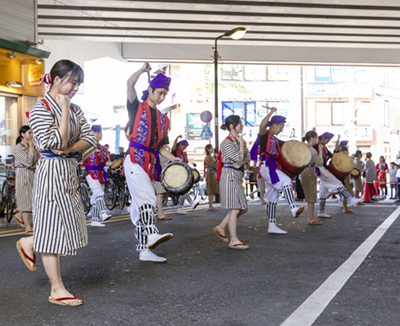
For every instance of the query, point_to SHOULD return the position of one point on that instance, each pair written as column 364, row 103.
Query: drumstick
column 148, row 75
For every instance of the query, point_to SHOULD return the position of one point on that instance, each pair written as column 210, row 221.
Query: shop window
column 323, row 74
column 251, row 114
column 337, row 113
column 363, row 113
column 385, row 113
column 255, row 73
column 341, row 74
column 232, row 72
column 8, row 125
column 323, row 113
column 278, row 73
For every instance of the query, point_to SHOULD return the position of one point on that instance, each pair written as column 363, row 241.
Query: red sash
column 220, row 164
column 48, row 106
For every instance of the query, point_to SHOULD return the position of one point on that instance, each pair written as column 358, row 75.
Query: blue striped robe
column 58, row 219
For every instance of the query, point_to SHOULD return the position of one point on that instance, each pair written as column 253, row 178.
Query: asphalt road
column 206, row 283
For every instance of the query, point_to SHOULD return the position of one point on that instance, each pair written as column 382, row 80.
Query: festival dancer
column 63, row 136
column 96, row 177
column 308, row 179
column 179, row 150
column 210, row 172
column 233, row 160
column 147, row 132
column 26, row 157
column 328, row 182
column 270, row 170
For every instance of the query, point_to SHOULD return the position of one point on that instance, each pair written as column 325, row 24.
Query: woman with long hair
column 308, row 178
column 26, row 157
column 234, row 158
column 63, row 136
column 210, row 171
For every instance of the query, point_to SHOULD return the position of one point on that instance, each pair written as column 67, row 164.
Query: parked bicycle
column 8, row 198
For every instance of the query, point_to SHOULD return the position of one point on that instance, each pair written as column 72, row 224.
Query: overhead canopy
column 301, row 31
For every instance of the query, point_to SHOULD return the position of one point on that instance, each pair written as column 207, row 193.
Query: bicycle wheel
column 10, row 209
column 110, row 195
column 122, row 198
column 3, row 200
column 175, row 200
column 85, row 198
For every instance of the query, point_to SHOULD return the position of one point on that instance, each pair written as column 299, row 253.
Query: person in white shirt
column 392, row 173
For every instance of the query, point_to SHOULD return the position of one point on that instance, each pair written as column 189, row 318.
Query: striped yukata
column 58, row 219
column 231, row 188
column 24, row 175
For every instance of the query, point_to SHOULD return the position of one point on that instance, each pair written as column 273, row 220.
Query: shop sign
column 35, row 73
column 194, row 126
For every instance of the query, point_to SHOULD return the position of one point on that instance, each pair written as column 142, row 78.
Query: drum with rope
column 196, row 176
column 355, row 173
column 295, row 156
column 177, row 178
column 340, row 165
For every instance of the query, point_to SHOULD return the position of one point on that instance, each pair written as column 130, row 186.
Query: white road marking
column 316, row 303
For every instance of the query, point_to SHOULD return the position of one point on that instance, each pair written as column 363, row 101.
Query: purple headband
column 326, row 135
column 96, row 128
column 183, row 143
column 343, row 143
column 276, row 119
column 160, row 81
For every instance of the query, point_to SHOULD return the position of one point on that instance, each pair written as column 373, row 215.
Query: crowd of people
column 48, row 186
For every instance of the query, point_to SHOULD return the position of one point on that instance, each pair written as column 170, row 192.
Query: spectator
column 370, row 174
column 392, row 174
column 382, row 182
column 358, row 164
column 398, row 178
column 382, row 162
column 108, row 159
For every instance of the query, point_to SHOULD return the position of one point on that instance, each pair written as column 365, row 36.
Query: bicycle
column 85, row 190
column 8, row 198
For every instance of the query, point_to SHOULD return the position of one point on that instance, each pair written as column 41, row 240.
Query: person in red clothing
column 382, row 162
column 96, row 177
column 382, row 182
column 147, row 132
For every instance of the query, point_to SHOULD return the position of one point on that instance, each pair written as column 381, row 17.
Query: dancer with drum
column 63, row 136
column 328, row 182
column 233, row 158
column 347, row 184
column 308, row 178
column 96, row 177
column 26, row 157
column 147, row 132
column 179, row 150
column 210, row 171
column 270, row 170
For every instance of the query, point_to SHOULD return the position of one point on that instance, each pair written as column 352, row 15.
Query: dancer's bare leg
column 51, row 263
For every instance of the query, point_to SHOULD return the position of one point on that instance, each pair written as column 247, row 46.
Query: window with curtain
column 337, row 113
column 363, row 113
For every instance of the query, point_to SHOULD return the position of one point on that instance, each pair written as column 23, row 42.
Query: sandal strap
column 64, row 299
column 27, row 257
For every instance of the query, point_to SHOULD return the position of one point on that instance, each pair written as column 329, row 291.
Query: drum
column 295, row 156
column 355, row 173
column 116, row 166
column 340, row 165
column 196, row 176
column 177, row 178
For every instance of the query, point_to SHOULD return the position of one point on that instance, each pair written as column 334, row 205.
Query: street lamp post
column 236, row 34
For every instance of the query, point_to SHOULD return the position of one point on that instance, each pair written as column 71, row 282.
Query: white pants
column 328, row 183
column 140, row 187
column 96, row 187
column 272, row 190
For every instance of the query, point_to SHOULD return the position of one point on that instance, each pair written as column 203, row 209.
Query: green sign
column 194, row 126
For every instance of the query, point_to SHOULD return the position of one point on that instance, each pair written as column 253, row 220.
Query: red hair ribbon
column 27, row 114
